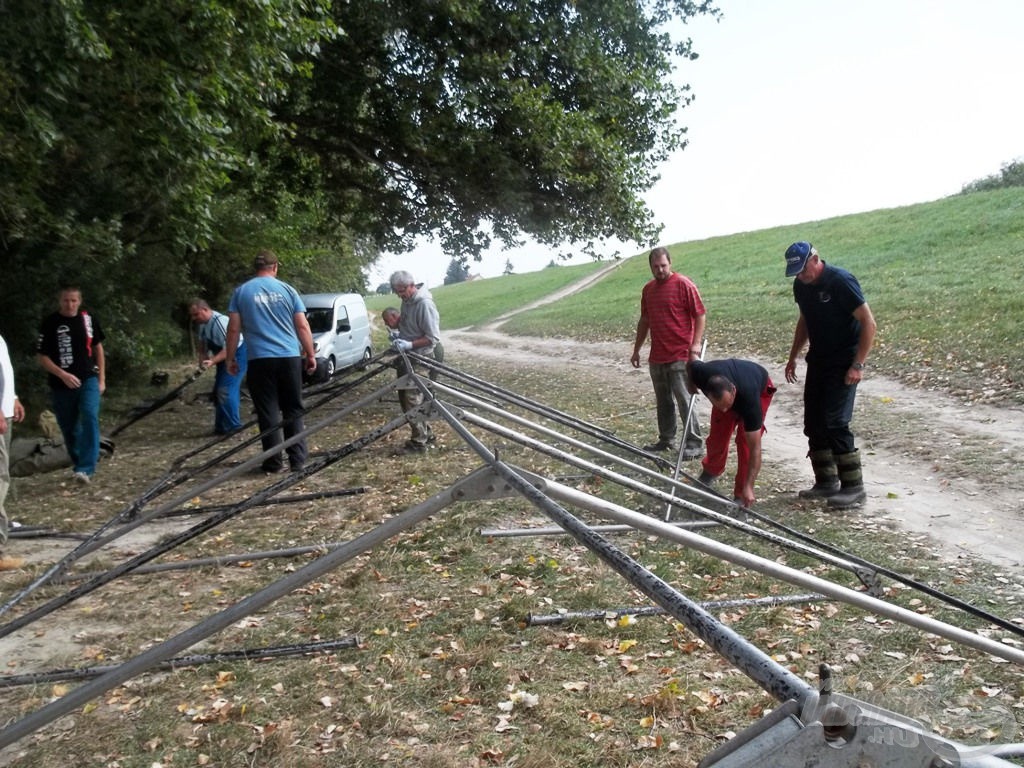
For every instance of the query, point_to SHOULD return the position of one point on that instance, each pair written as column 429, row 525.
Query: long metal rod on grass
column 157, row 404
column 98, row 539
column 293, row 499
column 655, row 493
column 195, row 660
column 171, row 542
column 245, row 607
column 865, row 570
column 560, row 417
column 779, row 571
column 217, row 562
column 771, row 601
column 774, row 678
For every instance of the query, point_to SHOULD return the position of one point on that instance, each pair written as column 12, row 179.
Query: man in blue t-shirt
column 272, row 317
column 837, row 323
column 740, row 392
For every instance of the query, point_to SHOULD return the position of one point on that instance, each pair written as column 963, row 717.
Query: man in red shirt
column 672, row 311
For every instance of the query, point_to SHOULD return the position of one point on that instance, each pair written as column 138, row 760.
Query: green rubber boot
column 826, row 476
column 851, row 477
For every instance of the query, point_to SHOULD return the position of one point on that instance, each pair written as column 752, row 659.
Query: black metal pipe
column 558, row 416
column 194, row 660
column 169, row 543
column 219, row 561
column 757, row 665
column 97, row 539
column 157, row 404
column 245, row 607
column 770, row 601
column 293, row 499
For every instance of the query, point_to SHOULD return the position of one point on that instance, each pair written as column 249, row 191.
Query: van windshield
column 319, row 320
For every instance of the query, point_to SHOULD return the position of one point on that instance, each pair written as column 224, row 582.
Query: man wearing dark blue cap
column 837, row 323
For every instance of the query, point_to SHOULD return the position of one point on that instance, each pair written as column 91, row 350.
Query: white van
column 341, row 328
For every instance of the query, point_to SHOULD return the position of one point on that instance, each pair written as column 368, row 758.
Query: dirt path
column 910, row 480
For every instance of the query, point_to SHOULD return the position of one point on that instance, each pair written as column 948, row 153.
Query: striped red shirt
column 671, row 308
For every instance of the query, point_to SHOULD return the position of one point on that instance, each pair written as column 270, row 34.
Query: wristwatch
column 857, row 366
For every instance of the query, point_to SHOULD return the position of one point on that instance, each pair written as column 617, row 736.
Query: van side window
column 343, row 324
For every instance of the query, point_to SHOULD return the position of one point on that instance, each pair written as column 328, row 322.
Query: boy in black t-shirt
column 70, row 350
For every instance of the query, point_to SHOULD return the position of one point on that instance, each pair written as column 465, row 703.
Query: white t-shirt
column 7, row 393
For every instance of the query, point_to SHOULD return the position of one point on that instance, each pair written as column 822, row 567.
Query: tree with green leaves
column 123, row 126
column 476, row 121
column 147, row 149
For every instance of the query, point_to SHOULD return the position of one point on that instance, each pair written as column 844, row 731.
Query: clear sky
column 807, row 109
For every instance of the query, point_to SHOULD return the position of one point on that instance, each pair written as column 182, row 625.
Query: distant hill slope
column 944, row 279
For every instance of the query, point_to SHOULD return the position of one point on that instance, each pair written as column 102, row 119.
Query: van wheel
column 330, row 366
column 367, row 354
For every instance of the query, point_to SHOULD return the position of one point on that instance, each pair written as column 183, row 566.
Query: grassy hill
column 944, row 279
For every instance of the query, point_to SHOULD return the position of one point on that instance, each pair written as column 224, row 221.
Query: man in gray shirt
column 418, row 331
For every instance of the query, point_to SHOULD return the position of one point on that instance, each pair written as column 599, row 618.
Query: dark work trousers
column 275, row 384
column 828, row 408
column 669, row 380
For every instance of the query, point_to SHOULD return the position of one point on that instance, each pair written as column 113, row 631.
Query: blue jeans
column 78, row 415
column 227, row 395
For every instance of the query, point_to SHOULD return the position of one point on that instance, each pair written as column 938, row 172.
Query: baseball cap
column 796, row 257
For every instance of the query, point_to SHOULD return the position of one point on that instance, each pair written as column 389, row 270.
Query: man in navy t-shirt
column 837, row 323
column 740, row 392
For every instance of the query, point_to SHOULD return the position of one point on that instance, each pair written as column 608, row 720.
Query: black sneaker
column 411, row 447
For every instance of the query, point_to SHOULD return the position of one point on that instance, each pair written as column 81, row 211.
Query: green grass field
column 944, row 279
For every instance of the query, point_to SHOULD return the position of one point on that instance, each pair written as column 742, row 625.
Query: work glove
column 402, row 345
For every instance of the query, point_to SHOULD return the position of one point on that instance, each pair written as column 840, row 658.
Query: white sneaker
column 81, row 478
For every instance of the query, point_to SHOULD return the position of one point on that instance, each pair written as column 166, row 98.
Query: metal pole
column 98, row 540
column 246, row 607
column 774, row 678
column 548, row 432
column 540, row 409
column 160, row 403
column 549, row 530
column 293, row 499
column 682, row 443
column 215, row 562
column 770, row 601
column 246, row 654
column 167, row 544
column 660, row 495
column 782, row 572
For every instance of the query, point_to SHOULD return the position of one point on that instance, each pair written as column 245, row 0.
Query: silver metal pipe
column 628, row 482
column 245, row 607
column 540, row 428
column 784, row 573
column 770, row 601
column 505, row 533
